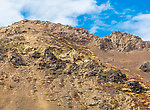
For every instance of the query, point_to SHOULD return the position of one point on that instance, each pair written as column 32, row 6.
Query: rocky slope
column 47, row 66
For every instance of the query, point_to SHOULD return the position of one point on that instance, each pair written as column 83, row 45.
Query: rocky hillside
column 47, row 66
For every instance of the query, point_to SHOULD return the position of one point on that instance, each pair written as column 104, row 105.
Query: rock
column 97, row 98
column 75, row 95
column 16, row 78
column 112, row 76
column 145, row 67
column 68, row 98
column 3, row 76
column 17, row 60
column 35, row 90
column 49, row 54
column 1, row 57
column 91, row 74
column 89, row 88
column 105, row 44
column 105, row 106
column 2, row 83
column 73, row 69
column 76, row 57
column 92, row 65
column 12, row 86
column 93, row 104
column 36, row 54
column 135, row 87
column 69, row 104
column 126, row 89
column 41, row 66
column 117, row 76
column 50, row 66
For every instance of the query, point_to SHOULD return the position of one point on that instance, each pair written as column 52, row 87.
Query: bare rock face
column 121, row 42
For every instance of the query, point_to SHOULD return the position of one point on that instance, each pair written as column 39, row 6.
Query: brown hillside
column 48, row 66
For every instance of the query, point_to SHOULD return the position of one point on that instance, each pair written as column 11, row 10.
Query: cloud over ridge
column 138, row 25
column 63, row 11
column 67, row 12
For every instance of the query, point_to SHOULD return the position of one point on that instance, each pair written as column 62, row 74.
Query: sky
column 100, row 17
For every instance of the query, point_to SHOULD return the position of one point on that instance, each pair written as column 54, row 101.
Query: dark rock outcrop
column 113, row 76
column 135, row 87
column 145, row 67
column 17, row 60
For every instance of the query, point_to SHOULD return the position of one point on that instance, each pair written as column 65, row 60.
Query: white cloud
column 113, row 22
column 63, row 11
column 138, row 25
column 8, row 13
column 98, row 24
column 93, row 29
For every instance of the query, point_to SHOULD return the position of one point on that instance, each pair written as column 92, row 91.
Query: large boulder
column 145, row 67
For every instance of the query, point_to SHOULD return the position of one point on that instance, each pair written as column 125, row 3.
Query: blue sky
column 100, row 17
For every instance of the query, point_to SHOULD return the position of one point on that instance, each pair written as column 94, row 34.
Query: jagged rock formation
column 122, row 42
column 48, row 66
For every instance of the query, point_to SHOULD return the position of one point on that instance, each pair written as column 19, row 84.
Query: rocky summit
column 48, row 66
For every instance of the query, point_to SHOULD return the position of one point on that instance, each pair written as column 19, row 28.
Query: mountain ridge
column 116, row 40
column 53, row 66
